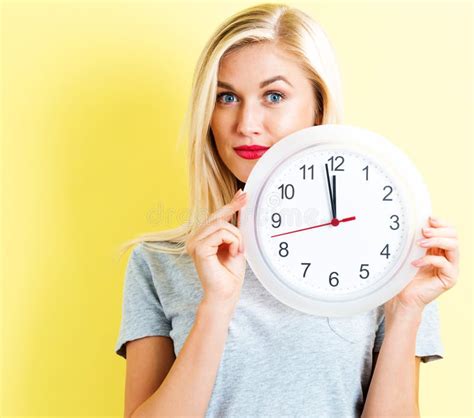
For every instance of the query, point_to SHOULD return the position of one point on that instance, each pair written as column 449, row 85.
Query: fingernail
column 417, row 262
column 242, row 196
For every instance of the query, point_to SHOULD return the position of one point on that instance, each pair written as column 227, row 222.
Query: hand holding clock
column 439, row 270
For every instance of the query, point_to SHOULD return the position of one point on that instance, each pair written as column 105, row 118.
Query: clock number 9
column 287, row 191
column 333, row 281
column 277, row 221
column 283, row 249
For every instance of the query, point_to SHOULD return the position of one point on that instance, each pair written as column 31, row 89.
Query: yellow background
column 93, row 95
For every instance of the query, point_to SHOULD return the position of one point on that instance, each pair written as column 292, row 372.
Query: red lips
column 251, row 148
column 251, row 152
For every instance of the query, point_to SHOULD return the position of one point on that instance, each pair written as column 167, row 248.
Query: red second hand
column 334, row 222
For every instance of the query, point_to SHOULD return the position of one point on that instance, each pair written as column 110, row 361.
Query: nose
column 250, row 120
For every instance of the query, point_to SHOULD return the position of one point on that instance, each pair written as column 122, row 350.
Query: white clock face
column 300, row 241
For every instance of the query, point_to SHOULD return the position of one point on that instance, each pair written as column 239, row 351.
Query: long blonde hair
column 212, row 184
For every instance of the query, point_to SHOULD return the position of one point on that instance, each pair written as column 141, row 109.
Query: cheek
column 281, row 125
column 224, row 148
column 220, row 126
column 293, row 119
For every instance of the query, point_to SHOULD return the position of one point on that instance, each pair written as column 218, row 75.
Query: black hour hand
column 333, row 206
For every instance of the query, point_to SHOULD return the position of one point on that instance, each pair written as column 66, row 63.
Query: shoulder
column 162, row 254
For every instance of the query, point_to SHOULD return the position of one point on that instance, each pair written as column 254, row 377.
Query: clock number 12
column 338, row 168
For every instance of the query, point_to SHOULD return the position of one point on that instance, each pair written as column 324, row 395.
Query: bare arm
column 393, row 389
column 149, row 359
column 187, row 388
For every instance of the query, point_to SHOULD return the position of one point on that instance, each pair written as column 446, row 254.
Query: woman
column 200, row 334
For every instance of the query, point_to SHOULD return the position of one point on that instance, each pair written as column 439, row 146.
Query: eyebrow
column 262, row 84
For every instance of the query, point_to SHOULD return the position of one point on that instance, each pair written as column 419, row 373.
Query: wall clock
column 332, row 218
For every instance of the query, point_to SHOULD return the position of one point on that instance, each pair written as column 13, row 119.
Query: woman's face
column 251, row 109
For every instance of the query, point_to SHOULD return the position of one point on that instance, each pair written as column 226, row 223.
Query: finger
column 448, row 232
column 438, row 222
column 226, row 211
column 216, row 225
column 210, row 245
column 447, row 271
column 241, row 247
column 450, row 245
column 223, row 214
column 212, row 228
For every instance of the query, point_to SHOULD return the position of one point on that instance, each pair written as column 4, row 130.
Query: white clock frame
column 411, row 188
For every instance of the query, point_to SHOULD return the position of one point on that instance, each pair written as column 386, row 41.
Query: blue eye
column 275, row 94
column 223, row 95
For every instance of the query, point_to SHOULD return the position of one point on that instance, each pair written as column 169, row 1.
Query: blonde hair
column 212, row 184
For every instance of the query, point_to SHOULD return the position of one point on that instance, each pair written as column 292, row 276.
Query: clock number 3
column 395, row 221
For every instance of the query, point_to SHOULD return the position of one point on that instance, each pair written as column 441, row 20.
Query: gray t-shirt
column 277, row 361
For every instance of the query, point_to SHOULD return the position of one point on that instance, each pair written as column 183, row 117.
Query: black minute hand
column 330, row 192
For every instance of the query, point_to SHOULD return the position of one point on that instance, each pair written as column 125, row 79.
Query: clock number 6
column 333, row 281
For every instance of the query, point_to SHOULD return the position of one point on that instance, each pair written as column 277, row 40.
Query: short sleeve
column 142, row 312
column 428, row 339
